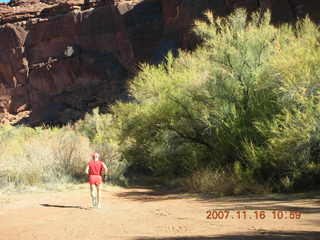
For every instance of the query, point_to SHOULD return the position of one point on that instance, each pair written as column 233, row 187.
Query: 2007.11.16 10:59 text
column 257, row 214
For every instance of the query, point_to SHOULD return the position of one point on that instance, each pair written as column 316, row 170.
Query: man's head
column 95, row 156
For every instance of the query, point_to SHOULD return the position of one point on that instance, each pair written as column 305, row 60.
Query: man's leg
column 93, row 194
column 99, row 186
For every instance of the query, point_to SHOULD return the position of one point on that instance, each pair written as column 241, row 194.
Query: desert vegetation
column 45, row 156
column 240, row 114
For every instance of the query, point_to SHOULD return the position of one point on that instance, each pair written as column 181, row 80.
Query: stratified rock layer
column 60, row 58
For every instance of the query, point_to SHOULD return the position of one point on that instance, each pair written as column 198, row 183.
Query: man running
column 94, row 170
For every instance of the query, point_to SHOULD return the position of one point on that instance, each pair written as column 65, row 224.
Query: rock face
column 58, row 61
column 61, row 58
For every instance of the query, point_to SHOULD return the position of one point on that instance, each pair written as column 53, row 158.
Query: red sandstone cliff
column 61, row 58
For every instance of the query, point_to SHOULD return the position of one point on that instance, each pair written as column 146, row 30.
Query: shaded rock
column 13, row 63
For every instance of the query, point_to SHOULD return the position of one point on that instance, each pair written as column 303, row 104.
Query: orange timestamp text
column 257, row 214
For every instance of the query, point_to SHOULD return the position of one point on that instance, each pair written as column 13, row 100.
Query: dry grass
column 221, row 183
column 31, row 157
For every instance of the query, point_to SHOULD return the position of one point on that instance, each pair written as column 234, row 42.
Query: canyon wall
column 61, row 58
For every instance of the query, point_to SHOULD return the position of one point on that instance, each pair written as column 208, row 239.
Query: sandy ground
column 145, row 214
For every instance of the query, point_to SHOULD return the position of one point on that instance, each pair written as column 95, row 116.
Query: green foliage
column 102, row 134
column 245, row 102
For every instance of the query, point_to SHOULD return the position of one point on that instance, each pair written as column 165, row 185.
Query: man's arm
column 104, row 167
column 87, row 169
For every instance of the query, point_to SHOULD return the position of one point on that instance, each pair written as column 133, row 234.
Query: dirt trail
column 144, row 214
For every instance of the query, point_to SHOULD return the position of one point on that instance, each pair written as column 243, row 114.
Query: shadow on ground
column 62, row 206
column 303, row 203
column 149, row 195
column 296, row 235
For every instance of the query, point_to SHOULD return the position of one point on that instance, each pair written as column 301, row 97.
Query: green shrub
column 101, row 132
column 245, row 100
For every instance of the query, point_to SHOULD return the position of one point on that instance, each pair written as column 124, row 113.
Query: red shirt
column 95, row 167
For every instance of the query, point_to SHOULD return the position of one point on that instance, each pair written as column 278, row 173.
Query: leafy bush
column 99, row 129
column 247, row 100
